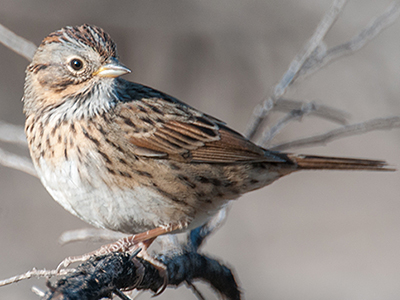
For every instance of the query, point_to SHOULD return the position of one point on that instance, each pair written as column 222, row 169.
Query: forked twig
column 314, row 56
column 261, row 111
column 345, row 131
column 323, row 111
column 295, row 114
column 319, row 60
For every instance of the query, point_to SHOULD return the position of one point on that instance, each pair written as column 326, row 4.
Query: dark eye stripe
column 37, row 68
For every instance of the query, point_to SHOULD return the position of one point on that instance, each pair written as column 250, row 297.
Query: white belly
column 85, row 195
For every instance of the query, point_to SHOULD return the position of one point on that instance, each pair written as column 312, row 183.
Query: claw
column 73, row 259
column 164, row 274
column 140, row 271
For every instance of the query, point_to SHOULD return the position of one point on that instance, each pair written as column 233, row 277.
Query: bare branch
column 322, row 111
column 16, row 43
column 377, row 25
column 17, row 162
column 10, row 133
column 92, row 234
column 345, row 131
column 198, row 235
column 102, row 275
column 36, row 273
column 260, row 113
column 324, row 26
column 295, row 114
column 38, row 291
column 195, row 291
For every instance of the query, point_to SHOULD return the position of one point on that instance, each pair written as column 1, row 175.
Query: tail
column 311, row 162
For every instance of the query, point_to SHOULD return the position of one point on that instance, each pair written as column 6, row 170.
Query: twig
column 261, row 111
column 322, row 111
column 198, row 235
column 295, row 114
column 92, row 234
column 348, row 130
column 38, row 291
column 324, row 26
column 195, row 290
column 17, row 162
column 316, row 62
column 10, row 133
column 36, row 273
column 16, row 43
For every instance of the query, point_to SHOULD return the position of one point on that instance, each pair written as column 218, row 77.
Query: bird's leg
column 127, row 244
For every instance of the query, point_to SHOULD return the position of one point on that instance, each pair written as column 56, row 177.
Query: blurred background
column 312, row 235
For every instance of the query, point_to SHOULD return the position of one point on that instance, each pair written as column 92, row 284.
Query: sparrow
column 126, row 157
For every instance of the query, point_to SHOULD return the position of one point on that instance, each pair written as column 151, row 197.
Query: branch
column 17, row 162
column 10, row 133
column 297, row 64
column 320, row 110
column 104, row 275
column 198, row 235
column 35, row 273
column 295, row 114
column 315, row 56
column 261, row 111
column 91, row 234
column 319, row 60
column 16, row 43
column 345, row 131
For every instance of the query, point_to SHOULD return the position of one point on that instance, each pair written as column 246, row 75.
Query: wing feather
column 163, row 127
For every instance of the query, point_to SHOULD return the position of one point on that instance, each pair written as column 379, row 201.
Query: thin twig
column 16, row 43
column 17, row 162
column 324, row 26
column 38, row 291
column 376, row 26
column 36, row 273
column 10, row 133
column 92, row 234
column 345, row 131
column 195, row 290
column 261, row 111
column 198, row 235
column 323, row 111
column 293, row 115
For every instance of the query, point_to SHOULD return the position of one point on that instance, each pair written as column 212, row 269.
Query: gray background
column 312, row 235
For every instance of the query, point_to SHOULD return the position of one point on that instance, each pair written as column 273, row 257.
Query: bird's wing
column 162, row 127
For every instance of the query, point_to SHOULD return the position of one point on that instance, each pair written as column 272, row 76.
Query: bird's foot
column 129, row 244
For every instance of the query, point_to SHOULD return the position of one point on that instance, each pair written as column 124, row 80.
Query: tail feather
column 311, row 162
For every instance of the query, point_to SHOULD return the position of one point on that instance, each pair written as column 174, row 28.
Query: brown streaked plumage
column 129, row 158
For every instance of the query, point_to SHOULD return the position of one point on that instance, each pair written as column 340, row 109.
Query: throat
column 74, row 103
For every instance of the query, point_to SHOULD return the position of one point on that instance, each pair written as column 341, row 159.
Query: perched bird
column 126, row 157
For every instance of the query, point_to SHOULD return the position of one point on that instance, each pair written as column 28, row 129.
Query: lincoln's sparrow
column 126, row 157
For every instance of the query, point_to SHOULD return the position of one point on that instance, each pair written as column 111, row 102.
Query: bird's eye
column 76, row 64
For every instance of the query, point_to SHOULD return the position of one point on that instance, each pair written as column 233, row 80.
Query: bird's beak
column 112, row 69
